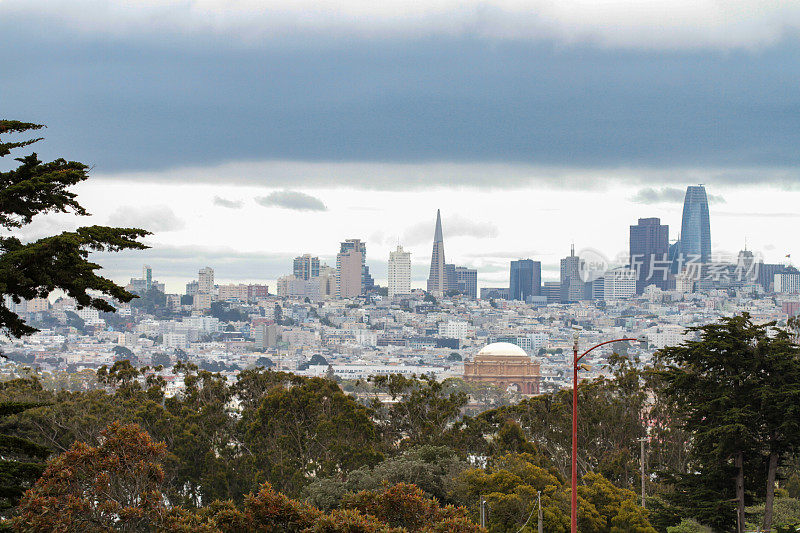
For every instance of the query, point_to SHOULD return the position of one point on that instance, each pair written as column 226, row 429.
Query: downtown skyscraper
column 695, row 226
column 525, row 279
column 438, row 279
column 649, row 251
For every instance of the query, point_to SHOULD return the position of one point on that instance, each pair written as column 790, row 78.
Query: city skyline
column 494, row 122
column 608, row 234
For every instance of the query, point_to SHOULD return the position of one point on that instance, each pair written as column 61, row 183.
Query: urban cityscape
column 473, row 266
column 321, row 319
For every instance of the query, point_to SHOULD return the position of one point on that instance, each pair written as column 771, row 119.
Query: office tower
column 552, row 291
column 620, row 283
column 649, row 253
column 525, row 279
column 349, row 271
column 306, row 267
column 399, row 273
column 746, row 268
column 437, row 279
column 573, row 287
column 467, row 280
column 599, row 288
column 450, row 281
column 695, row 226
column 147, row 276
column 367, row 283
column 205, row 280
column 765, row 274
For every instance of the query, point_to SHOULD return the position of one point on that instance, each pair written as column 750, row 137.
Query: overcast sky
column 243, row 133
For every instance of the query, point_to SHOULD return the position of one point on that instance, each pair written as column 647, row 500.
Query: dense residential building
column 695, row 226
column 205, row 280
column 437, row 279
column 649, row 253
column 306, row 267
column 525, row 279
column 399, row 272
column 467, row 281
column 367, row 283
column 788, row 281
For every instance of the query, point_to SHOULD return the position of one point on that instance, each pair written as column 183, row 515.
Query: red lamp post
column 575, row 360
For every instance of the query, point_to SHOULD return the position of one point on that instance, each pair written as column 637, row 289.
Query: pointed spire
column 437, row 235
column 437, row 282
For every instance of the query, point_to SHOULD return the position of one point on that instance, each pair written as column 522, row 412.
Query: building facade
column 467, row 281
column 505, row 365
column 525, row 279
column 649, row 253
column 573, row 288
column 695, row 226
column 306, row 267
column 349, row 270
column 399, row 272
column 205, row 280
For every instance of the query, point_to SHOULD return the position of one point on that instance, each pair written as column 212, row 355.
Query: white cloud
column 157, row 218
column 295, row 200
column 453, row 226
column 230, row 204
column 615, row 23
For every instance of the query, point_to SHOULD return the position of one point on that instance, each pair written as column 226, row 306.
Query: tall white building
column 620, row 283
column 205, row 280
column 399, row 272
column 787, row 281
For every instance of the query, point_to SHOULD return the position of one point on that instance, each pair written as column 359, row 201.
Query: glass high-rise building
column 649, row 253
column 525, row 279
column 695, row 226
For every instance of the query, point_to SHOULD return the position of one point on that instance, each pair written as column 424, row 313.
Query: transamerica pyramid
column 437, row 280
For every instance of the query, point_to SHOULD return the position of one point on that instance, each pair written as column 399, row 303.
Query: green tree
column 22, row 459
column 307, row 429
column 736, row 391
column 35, row 269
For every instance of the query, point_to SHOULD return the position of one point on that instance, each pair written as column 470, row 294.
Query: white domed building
column 505, row 365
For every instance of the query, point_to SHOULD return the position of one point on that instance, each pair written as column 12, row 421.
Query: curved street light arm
column 601, row 344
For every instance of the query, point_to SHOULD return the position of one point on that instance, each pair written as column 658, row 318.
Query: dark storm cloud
column 297, row 201
column 146, row 105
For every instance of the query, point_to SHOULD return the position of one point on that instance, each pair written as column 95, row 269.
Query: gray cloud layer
column 650, row 195
column 295, row 200
column 230, row 204
column 413, row 102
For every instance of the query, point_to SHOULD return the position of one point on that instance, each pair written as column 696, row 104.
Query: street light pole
column 575, row 360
